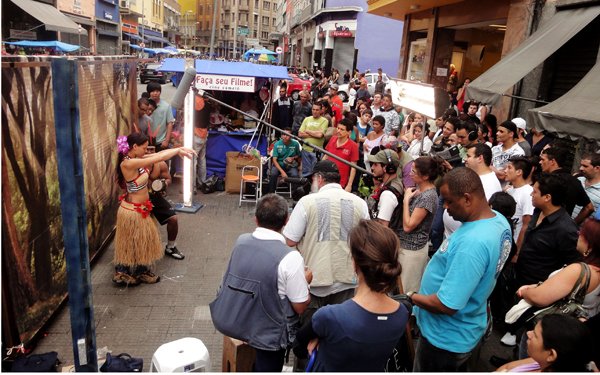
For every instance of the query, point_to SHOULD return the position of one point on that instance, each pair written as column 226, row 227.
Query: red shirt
column 338, row 108
column 348, row 151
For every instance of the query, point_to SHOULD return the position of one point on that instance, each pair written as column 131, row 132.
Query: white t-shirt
column 491, row 184
column 500, row 157
column 291, row 281
column 522, row 196
column 415, row 147
column 387, row 204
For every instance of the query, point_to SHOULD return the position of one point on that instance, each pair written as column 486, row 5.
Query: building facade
column 108, row 33
column 339, row 34
column 519, row 55
column 245, row 24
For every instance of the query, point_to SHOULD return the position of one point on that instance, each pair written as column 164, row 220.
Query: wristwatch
column 409, row 295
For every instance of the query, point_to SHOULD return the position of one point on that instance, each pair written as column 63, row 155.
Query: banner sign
column 225, row 83
column 341, row 33
column 419, row 97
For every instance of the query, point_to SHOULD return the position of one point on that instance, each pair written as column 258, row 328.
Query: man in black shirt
column 553, row 160
column 551, row 236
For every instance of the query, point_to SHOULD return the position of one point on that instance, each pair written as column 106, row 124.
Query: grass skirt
column 137, row 241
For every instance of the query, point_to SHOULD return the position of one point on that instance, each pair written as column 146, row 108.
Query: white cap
column 521, row 123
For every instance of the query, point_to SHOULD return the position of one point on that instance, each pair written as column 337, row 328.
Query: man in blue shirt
column 451, row 304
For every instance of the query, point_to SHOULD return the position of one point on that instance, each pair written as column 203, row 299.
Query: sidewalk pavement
column 137, row 320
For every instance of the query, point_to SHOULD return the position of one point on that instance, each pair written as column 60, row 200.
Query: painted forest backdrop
column 33, row 260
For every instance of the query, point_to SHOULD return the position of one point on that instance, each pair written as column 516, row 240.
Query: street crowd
column 466, row 221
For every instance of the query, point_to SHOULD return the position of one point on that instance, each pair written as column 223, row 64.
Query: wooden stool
column 237, row 356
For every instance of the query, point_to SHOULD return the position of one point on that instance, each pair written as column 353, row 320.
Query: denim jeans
column 429, row 358
column 200, row 160
column 291, row 172
column 309, row 159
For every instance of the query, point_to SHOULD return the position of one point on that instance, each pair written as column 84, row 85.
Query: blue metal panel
column 171, row 64
column 244, row 69
column 70, row 176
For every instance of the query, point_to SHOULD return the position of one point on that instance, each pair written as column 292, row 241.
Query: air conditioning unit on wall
column 124, row 3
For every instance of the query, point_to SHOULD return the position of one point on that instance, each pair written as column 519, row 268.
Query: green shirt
column 161, row 116
column 314, row 124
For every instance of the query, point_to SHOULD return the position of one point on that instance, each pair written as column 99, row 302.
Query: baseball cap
column 382, row 158
column 325, row 166
column 521, row 123
column 334, row 86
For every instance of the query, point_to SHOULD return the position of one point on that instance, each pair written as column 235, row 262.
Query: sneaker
column 174, row 252
column 122, row 278
column 148, row 277
column 509, row 339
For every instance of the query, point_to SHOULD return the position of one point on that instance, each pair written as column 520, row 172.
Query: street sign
column 252, row 42
column 243, row 30
column 279, row 50
column 142, row 45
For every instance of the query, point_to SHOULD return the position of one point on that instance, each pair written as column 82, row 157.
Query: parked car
column 151, row 73
column 371, row 80
column 296, row 85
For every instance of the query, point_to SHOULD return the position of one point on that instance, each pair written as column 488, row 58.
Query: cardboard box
column 235, row 161
column 237, row 356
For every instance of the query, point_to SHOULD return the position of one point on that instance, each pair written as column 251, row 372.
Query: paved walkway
column 137, row 320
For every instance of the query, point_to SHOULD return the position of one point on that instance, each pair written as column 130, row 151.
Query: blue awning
column 134, row 46
column 133, row 36
column 244, row 69
column 156, row 39
column 52, row 44
column 172, row 65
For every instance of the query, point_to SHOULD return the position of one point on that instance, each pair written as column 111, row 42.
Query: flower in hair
column 122, row 144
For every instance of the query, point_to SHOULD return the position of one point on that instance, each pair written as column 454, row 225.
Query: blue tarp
column 135, row 46
column 172, row 65
column 219, row 143
column 64, row 47
column 244, row 69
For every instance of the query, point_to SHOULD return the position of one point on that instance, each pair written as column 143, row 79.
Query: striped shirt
column 593, row 191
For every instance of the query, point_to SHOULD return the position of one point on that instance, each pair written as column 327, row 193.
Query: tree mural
column 32, row 239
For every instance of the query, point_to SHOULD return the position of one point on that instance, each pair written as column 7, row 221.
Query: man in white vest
column 319, row 227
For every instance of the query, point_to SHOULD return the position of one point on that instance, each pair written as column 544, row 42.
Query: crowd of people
column 466, row 217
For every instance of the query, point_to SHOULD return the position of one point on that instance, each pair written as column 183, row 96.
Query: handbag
column 46, row 362
column 122, row 363
column 571, row 305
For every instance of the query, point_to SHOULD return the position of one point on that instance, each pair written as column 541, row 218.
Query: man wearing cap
column 319, row 227
column 385, row 204
column 337, row 105
column 506, row 148
column 521, row 133
column 406, row 161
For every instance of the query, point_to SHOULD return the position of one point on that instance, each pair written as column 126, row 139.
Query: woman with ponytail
column 137, row 241
column 360, row 334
